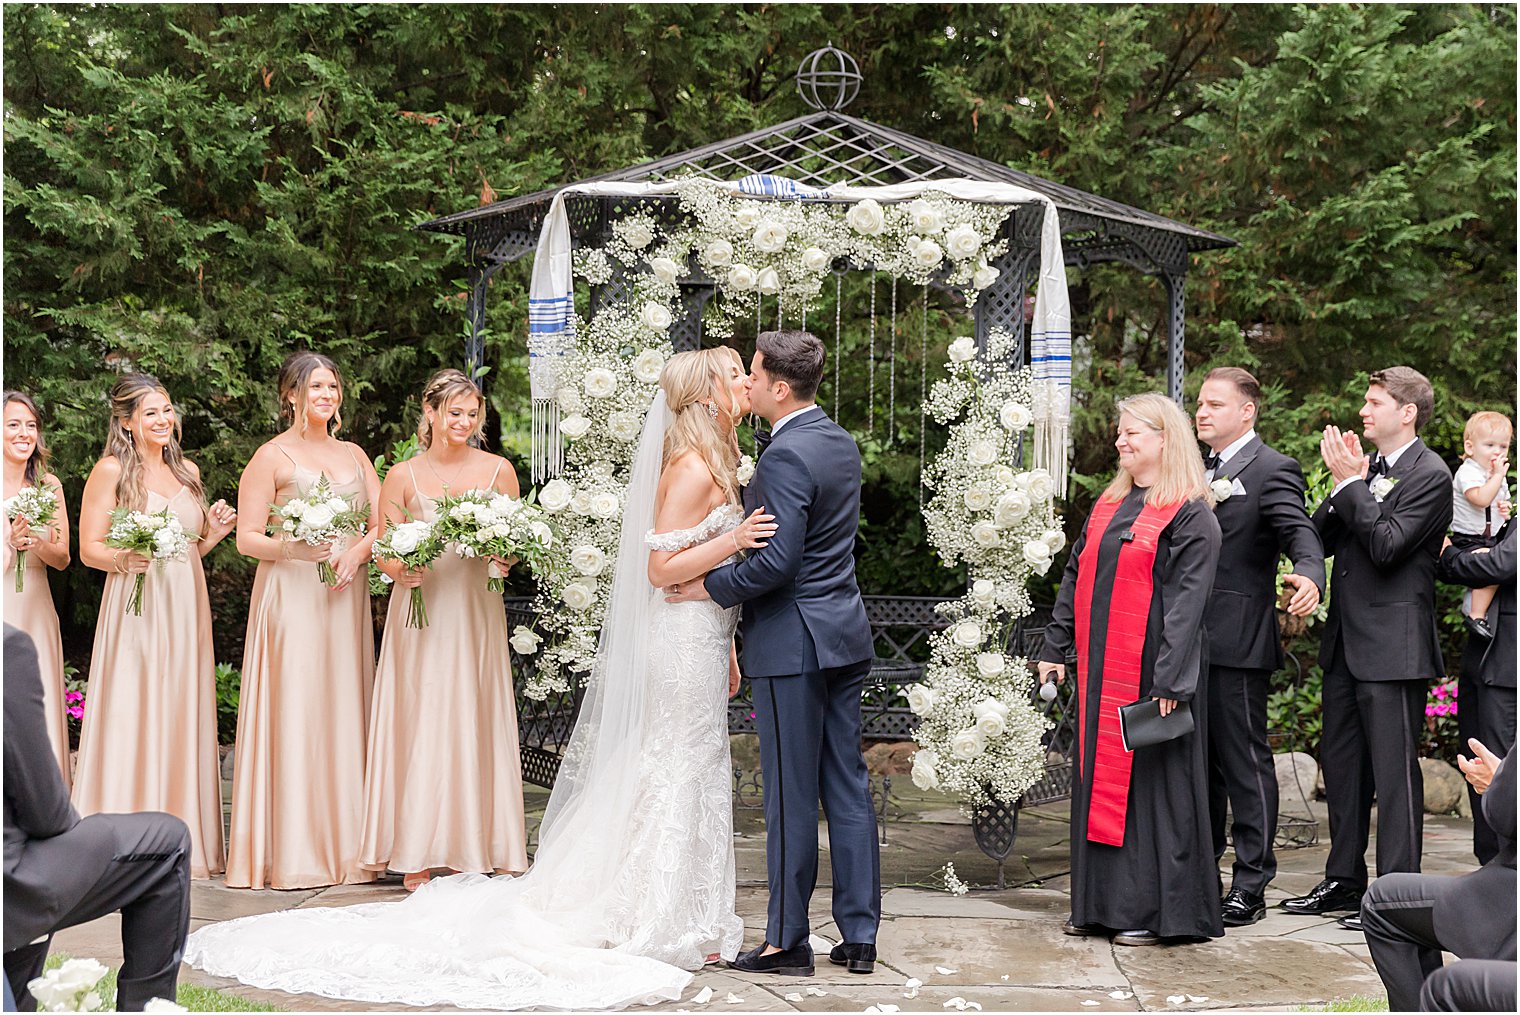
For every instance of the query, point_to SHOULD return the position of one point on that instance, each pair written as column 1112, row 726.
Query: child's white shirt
column 1467, row 517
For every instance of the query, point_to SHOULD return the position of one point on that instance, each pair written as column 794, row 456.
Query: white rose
column 928, row 254
column 924, row 775
column 921, row 700
column 769, row 237
column 542, row 534
column 1381, row 487
column 1040, row 487
column 588, row 560
column 741, row 277
column 985, row 534
column 925, row 217
column 153, row 522
column 600, row 382
column 648, row 364
column 637, row 235
column 406, row 536
column 747, row 215
column 337, row 505
column 525, row 640
column 718, row 253
column 574, row 427
column 963, row 349
column 665, row 269
column 605, row 504
column 578, row 595
column 1037, row 555
column 984, row 276
column 1014, row 416
column 555, row 495
column 464, row 509
column 79, row 974
column 160, row 1004
column 1004, row 475
column 816, row 259
column 991, row 717
column 1055, row 539
column 984, row 592
column 967, row 744
column 654, row 316
column 866, row 217
column 569, row 399
column 990, row 664
column 977, row 498
column 768, row 282
column 166, row 543
column 982, row 452
column 581, row 503
column 966, row 634
column 1221, row 489
column 962, row 242
column 623, row 425
column 746, row 470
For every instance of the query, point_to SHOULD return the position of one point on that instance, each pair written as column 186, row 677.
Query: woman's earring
column 712, row 410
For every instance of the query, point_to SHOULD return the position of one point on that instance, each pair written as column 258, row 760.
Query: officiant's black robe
column 1163, row 878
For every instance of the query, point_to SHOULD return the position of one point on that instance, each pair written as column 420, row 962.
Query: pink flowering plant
column 1442, row 737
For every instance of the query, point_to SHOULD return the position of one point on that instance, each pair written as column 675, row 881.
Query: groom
column 807, row 650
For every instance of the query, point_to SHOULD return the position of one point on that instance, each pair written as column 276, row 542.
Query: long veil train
column 551, row 938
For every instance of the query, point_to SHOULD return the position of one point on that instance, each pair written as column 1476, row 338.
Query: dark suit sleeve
column 34, row 788
column 1469, row 567
column 1328, row 526
column 1061, row 632
column 1186, row 585
column 1423, row 510
column 1282, row 506
column 788, row 486
column 1499, row 799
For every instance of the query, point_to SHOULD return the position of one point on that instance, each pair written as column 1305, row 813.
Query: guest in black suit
column 1409, row 919
column 1486, row 689
column 1259, row 503
column 61, row 871
column 1384, row 524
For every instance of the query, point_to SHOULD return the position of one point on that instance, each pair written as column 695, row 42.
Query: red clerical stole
column 1129, row 606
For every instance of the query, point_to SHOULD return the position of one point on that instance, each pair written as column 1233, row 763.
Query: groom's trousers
column 809, row 728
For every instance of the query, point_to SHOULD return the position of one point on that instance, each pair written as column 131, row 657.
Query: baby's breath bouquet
column 485, row 523
column 38, row 505
column 416, row 545
column 322, row 516
column 155, row 534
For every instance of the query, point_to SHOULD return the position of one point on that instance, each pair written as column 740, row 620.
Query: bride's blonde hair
column 691, row 380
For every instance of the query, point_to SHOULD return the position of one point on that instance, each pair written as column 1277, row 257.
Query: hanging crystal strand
column 871, row 363
column 838, row 317
column 923, row 396
column 759, row 308
column 892, row 370
column 778, row 315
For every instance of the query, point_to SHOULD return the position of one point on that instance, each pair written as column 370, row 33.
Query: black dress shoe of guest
column 796, row 961
column 1242, row 908
column 1329, row 896
column 1136, row 938
column 855, row 958
column 1082, row 929
column 1352, row 922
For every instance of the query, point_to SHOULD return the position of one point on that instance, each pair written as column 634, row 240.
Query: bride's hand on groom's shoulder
column 754, row 531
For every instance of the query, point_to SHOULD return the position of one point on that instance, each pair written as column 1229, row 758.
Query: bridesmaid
column 26, row 464
column 309, row 658
column 149, row 736
column 443, row 782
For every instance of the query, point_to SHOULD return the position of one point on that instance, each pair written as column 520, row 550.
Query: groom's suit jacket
column 800, row 587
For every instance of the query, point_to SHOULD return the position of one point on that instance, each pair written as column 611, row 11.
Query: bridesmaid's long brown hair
column 295, row 376
column 37, row 463
column 132, row 487
column 442, row 388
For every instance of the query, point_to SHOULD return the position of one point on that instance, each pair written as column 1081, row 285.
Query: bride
column 633, row 881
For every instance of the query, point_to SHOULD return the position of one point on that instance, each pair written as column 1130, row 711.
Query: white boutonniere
column 1222, row 489
column 746, row 470
column 1382, row 487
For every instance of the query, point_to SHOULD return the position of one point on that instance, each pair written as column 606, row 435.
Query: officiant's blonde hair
column 692, row 381
column 1181, row 477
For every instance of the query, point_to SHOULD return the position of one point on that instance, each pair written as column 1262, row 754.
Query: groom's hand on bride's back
column 687, row 592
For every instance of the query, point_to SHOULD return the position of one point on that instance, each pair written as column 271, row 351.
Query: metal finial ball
column 828, row 78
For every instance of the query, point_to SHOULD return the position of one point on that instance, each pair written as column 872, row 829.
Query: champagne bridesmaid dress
column 32, row 610
column 149, row 736
column 308, row 668
column 443, row 781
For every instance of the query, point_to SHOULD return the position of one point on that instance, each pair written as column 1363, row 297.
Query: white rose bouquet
column 70, row 987
column 322, row 516
column 156, row 534
column 37, row 505
column 416, row 545
column 485, row 523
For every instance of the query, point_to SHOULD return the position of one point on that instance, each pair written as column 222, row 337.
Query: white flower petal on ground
column 945, row 970
column 794, row 998
column 733, row 998
column 1089, row 1003
column 703, row 996
column 1196, row 999
column 1120, row 995
column 815, row 992
column 1175, row 999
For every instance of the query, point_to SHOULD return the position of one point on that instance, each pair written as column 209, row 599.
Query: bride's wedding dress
column 633, row 881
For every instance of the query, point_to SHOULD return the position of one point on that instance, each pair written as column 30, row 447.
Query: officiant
column 1131, row 610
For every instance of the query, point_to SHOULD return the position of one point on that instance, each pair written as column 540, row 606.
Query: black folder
column 1141, row 723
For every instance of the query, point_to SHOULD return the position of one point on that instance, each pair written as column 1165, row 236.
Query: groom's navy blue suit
column 807, row 650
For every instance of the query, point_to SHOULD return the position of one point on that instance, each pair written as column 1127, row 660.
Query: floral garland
column 979, row 733
column 749, row 248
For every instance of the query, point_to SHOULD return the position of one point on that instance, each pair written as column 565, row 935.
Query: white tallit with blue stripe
column 551, row 307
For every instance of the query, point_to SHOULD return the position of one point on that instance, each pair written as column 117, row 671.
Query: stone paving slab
column 1256, row 971
column 981, row 951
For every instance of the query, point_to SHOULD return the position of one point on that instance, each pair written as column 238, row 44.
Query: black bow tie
column 1211, row 461
column 1378, row 467
column 762, row 441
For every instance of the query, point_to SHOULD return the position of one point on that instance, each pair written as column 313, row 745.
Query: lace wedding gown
column 633, row 883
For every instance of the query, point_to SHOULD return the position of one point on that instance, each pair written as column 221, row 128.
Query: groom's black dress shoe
column 796, row 961
column 855, row 958
column 1242, row 908
column 1329, row 896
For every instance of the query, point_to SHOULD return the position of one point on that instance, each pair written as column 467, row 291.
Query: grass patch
column 1356, row 1002
column 187, row 996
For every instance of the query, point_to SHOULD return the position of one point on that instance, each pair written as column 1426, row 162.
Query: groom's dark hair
column 795, row 357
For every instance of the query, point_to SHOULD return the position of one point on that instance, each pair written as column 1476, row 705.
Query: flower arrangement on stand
column 979, row 734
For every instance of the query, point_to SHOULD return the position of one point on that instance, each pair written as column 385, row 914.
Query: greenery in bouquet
column 416, row 544
column 38, row 505
column 321, row 516
column 485, row 523
column 154, row 534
